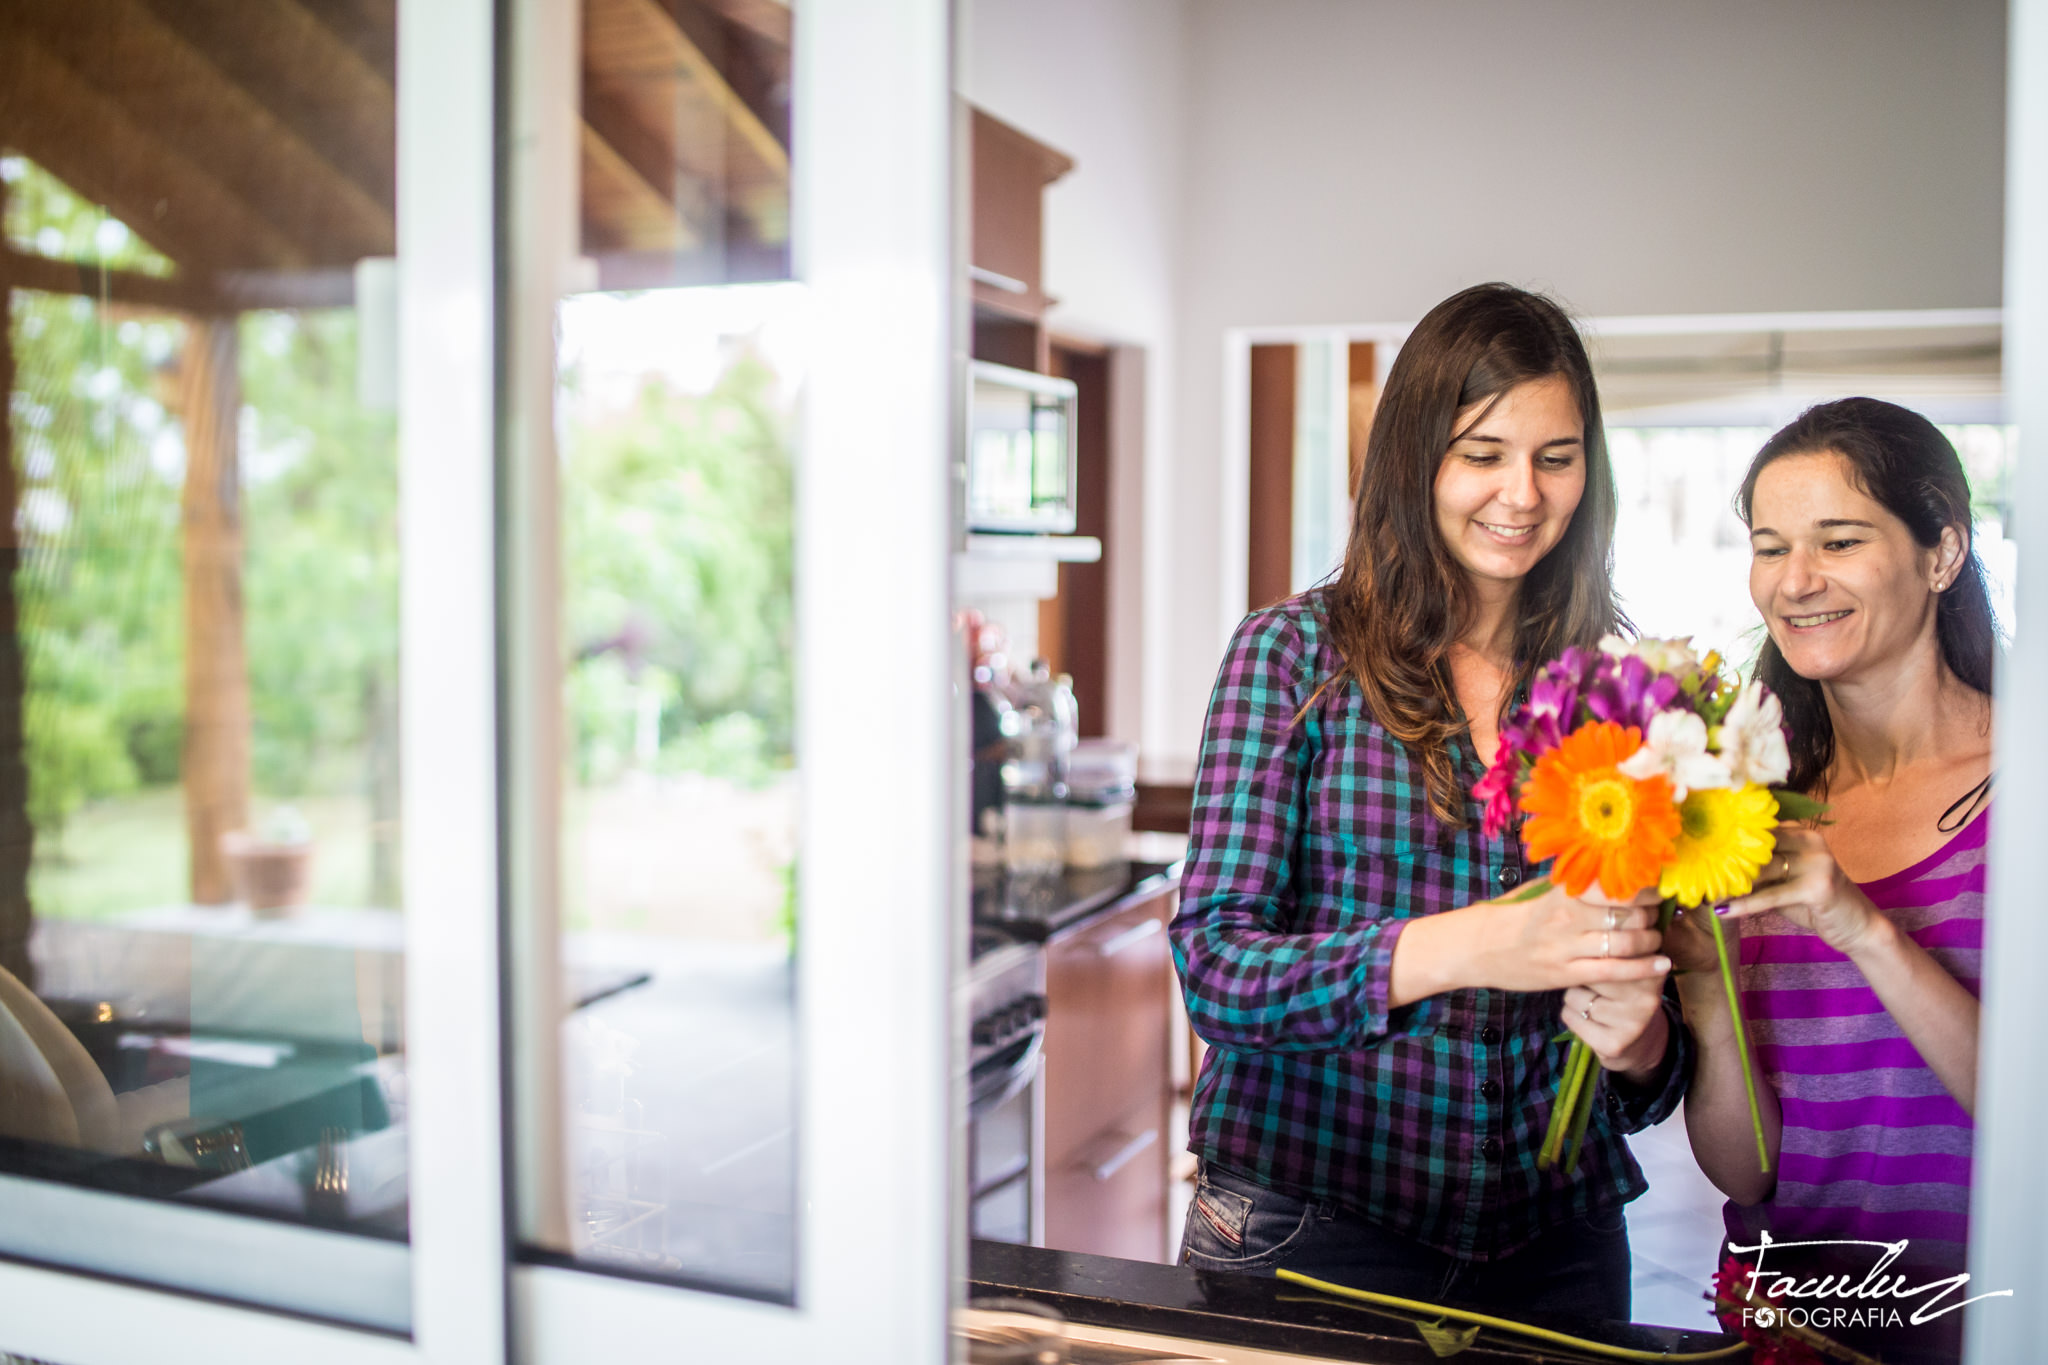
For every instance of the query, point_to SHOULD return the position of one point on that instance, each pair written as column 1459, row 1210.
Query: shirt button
column 1489, row 1089
column 1491, row 1148
column 1511, row 876
column 1489, row 1034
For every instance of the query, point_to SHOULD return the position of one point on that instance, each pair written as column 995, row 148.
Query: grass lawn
column 130, row 852
column 689, row 857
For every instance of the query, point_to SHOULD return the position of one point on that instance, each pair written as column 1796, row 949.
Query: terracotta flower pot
column 272, row 879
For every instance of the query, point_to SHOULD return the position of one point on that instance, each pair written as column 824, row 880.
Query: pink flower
column 1497, row 791
column 1767, row 1347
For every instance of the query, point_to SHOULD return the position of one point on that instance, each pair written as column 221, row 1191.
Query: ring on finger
column 1587, row 1014
column 1613, row 917
column 1607, row 945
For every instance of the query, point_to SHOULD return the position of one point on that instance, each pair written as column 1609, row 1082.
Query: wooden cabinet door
column 1108, row 1088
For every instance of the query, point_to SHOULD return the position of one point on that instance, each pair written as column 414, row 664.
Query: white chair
column 50, row 1090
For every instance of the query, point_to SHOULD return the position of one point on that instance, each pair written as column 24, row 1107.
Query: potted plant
column 272, row 866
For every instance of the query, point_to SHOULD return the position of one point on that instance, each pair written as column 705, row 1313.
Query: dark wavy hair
column 1400, row 600
column 1901, row 460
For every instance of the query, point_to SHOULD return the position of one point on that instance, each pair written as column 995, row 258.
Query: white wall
column 1103, row 81
column 1354, row 161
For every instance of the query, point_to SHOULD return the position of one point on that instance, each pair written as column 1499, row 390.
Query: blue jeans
column 1579, row 1270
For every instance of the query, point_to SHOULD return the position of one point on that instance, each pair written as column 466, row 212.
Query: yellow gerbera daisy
column 1726, row 835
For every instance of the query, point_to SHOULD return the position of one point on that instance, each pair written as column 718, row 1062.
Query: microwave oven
column 1020, row 451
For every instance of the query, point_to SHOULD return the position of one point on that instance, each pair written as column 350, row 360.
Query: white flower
column 1663, row 656
column 1676, row 747
column 1752, row 738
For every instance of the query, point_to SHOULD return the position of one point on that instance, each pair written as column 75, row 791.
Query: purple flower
column 1547, row 717
column 1627, row 692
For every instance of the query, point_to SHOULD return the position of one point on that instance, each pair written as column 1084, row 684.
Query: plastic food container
column 1097, row 833
column 1102, row 770
column 1034, row 838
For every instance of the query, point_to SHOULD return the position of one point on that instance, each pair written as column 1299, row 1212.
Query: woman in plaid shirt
column 1381, row 1066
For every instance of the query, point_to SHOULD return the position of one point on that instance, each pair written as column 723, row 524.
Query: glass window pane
column 201, row 922
column 672, row 1144
column 1677, row 486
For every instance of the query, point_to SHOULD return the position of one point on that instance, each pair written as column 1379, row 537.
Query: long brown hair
column 1902, row 461
column 1400, row 600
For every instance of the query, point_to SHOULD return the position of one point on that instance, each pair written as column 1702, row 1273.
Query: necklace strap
column 1966, row 805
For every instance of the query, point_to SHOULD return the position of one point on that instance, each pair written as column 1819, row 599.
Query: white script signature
column 1875, row 1284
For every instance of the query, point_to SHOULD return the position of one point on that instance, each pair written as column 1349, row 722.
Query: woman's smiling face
column 1507, row 488
column 1840, row 581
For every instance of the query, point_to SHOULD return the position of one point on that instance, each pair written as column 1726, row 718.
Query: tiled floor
column 1674, row 1231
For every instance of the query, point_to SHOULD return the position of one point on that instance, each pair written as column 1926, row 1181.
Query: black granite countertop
column 1264, row 1313
column 1037, row 908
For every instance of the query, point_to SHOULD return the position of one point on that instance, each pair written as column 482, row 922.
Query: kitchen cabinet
column 1010, row 171
column 1108, row 1081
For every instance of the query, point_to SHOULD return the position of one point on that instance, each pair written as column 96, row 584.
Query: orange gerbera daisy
column 1598, row 822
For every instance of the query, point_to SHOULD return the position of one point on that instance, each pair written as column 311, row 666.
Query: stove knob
column 985, row 1031
column 1034, row 1007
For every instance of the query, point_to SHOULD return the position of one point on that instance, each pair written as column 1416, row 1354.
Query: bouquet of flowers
column 1639, row 766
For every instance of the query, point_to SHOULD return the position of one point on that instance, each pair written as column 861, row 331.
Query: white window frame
column 445, row 184
column 873, row 225
column 2009, row 1195
column 872, row 221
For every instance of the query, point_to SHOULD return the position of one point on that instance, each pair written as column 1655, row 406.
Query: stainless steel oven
column 1005, row 1115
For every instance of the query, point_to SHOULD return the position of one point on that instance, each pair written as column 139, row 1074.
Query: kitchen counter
column 1039, row 908
column 1259, row 1313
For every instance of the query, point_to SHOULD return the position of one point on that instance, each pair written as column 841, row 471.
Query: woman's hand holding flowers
column 1623, row 1022
column 1688, row 943
column 1805, row 884
column 1557, row 940
column 1534, row 941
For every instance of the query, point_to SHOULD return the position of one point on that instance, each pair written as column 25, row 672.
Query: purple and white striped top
column 1874, row 1147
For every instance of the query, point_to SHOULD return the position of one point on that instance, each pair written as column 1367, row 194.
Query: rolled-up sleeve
column 1250, row 983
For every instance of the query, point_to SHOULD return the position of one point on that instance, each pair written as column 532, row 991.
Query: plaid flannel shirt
column 1312, row 849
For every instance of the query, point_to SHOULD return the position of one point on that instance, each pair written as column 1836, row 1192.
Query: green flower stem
column 1578, row 1063
column 1584, row 1115
column 1756, row 1118
column 1439, row 1311
column 1561, row 1108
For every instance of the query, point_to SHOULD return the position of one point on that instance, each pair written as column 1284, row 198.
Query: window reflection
column 679, row 826
column 663, row 1143
column 200, row 911
column 1676, row 488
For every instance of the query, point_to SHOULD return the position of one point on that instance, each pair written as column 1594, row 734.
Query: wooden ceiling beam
column 53, row 115
column 637, row 54
column 309, row 78
column 747, row 126
column 368, row 26
column 755, row 70
column 621, row 210
column 615, row 120
column 162, row 82
column 88, row 280
column 769, row 19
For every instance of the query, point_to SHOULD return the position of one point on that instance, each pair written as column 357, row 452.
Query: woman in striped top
column 1860, row 947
